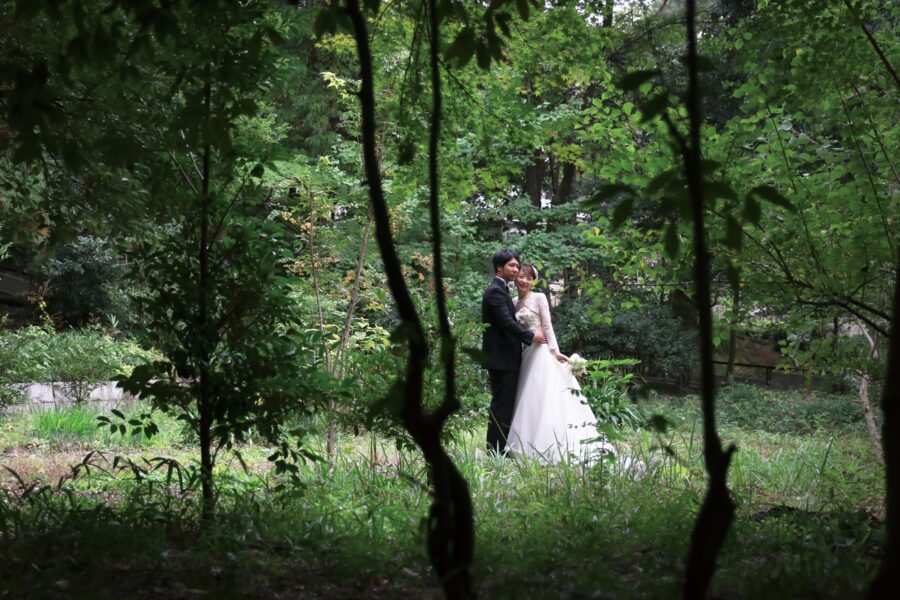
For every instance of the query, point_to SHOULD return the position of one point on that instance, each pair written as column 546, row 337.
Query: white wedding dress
column 550, row 423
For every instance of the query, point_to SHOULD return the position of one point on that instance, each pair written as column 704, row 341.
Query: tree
column 182, row 122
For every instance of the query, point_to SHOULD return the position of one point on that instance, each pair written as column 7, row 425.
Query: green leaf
column 274, row 37
column 606, row 192
column 326, row 22
column 503, row 20
column 257, row 171
column 462, row 48
column 734, row 235
column 770, row 194
column 622, row 211
column 719, row 189
column 632, row 81
column 482, row 358
column 665, row 180
column 671, row 241
column 482, row 55
column 523, row 8
column 752, row 210
column 654, row 106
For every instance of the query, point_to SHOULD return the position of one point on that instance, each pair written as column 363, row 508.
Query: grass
column 65, row 424
column 808, row 521
column 77, row 427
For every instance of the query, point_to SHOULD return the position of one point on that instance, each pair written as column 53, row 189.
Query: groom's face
column 509, row 271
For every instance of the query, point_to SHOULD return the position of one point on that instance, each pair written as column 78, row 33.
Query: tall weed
column 61, row 425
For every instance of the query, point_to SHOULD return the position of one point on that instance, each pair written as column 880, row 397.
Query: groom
column 502, row 342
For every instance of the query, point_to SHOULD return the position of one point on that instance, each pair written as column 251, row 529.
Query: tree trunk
column 534, row 179
column 870, row 417
column 315, row 275
column 566, row 184
column 348, row 323
column 888, row 577
column 204, row 401
column 732, row 334
column 864, row 381
column 329, row 442
column 608, row 13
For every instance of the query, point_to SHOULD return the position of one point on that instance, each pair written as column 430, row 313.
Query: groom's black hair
column 502, row 257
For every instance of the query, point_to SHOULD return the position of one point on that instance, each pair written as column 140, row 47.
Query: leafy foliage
column 648, row 331
column 749, row 407
column 79, row 359
column 606, row 393
column 87, row 278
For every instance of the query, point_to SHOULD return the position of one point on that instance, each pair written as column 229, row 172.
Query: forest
column 245, row 261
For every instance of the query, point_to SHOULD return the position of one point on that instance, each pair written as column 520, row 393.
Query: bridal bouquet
column 577, row 365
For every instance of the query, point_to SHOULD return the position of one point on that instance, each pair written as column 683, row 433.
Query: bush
column 606, row 393
column 80, row 359
column 373, row 364
column 10, row 396
column 648, row 332
column 751, row 407
column 87, row 282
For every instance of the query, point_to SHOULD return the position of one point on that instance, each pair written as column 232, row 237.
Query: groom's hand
column 540, row 338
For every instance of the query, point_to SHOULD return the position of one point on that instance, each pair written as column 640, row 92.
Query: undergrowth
column 808, row 523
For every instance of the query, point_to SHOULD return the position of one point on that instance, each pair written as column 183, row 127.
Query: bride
column 551, row 420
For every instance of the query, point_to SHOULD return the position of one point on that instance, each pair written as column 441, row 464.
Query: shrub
column 87, row 281
column 371, row 366
column 605, row 391
column 10, row 396
column 752, row 407
column 80, row 359
column 648, row 332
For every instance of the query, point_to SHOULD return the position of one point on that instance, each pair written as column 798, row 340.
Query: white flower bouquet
column 577, row 365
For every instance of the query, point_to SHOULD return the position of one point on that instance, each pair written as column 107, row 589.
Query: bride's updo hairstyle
column 529, row 269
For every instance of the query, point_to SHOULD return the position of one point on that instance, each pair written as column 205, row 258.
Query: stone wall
column 45, row 396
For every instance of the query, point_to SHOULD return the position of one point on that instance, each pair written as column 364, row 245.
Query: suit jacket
column 502, row 340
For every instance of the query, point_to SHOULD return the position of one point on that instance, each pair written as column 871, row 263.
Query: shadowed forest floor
column 809, row 521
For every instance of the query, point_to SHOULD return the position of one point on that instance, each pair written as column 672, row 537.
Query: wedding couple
column 536, row 408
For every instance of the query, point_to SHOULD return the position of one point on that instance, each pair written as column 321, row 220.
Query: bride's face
column 523, row 282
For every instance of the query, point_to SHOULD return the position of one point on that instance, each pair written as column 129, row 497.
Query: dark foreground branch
column 450, row 527
column 717, row 511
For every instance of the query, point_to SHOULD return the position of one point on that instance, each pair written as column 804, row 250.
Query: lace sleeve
column 546, row 325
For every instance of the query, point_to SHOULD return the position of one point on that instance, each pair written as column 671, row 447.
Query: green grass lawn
column 809, row 516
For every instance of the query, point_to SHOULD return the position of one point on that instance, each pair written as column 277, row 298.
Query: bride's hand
column 561, row 357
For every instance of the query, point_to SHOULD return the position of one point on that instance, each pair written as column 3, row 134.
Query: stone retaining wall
column 45, row 396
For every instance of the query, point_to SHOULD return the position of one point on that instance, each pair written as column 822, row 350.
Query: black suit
column 502, row 342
